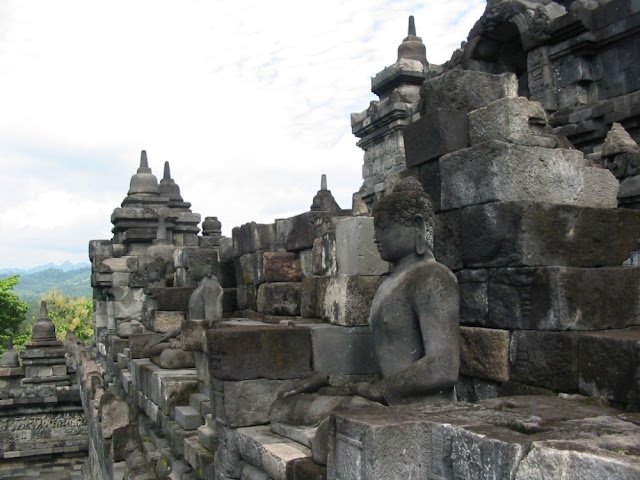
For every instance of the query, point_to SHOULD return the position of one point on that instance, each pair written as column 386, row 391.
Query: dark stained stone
column 545, row 359
column 527, row 233
column 609, row 365
column 440, row 131
column 244, row 353
column 465, row 90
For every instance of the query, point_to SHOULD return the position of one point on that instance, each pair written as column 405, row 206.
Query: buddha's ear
column 421, row 234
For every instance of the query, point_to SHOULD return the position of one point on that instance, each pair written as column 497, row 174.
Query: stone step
column 188, row 417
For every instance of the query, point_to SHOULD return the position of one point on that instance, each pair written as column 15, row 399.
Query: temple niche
column 526, row 143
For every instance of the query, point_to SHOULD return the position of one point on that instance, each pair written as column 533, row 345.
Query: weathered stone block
column 474, row 296
column 465, row 90
column 608, row 365
column 306, row 262
column 447, row 234
column 174, row 299
column 193, row 335
column 166, row 321
column 355, row 248
column 257, row 237
column 248, row 270
column 563, row 298
column 246, row 402
column 545, row 359
column 496, row 171
column 540, row 233
column 384, row 445
column 245, row 353
column 429, row 176
column 247, row 297
column 484, row 353
column 514, row 120
column 609, row 456
column 302, row 232
column 187, row 417
column 281, row 267
column 170, row 388
column 279, row 298
column 324, row 256
column 113, row 414
column 435, row 134
column 229, row 300
column 343, row 350
column 346, row 299
column 308, row 297
column 122, row 264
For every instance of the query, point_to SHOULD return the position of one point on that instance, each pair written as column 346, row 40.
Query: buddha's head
column 200, row 263
column 403, row 221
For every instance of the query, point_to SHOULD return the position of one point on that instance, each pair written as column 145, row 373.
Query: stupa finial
column 167, row 170
column 323, row 182
column 412, row 26
column 143, row 159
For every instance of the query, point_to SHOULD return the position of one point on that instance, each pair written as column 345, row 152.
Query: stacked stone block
column 533, row 235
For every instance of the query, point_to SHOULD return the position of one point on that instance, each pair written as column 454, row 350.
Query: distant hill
column 65, row 267
column 70, row 283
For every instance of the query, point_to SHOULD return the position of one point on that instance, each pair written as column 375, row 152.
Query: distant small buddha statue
column 414, row 319
column 205, row 304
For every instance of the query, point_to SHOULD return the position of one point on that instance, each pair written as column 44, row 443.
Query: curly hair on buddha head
column 405, row 201
column 201, row 256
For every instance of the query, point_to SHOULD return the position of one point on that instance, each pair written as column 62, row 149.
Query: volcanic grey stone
column 281, row 267
column 484, row 353
column 187, row 417
column 497, row 171
column 545, row 359
column 447, row 237
column 439, row 132
column 245, row 353
column 563, row 298
column 282, row 298
column 465, row 90
column 474, row 296
column 324, row 259
column 355, row 248
column 514, row 120
column 246, row 402
column 538, row 233
column 346, row 299
column 609, row 365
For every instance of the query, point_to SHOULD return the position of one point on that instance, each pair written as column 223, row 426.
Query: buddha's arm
column 436, row 304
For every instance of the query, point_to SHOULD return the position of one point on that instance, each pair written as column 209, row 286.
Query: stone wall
column 527, row 222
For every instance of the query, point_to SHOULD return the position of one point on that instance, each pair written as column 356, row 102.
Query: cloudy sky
column 248, row 101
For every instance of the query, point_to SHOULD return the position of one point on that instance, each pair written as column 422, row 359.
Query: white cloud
column 249, row 102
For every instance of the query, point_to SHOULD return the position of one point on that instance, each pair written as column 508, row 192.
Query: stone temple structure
column 527, row 143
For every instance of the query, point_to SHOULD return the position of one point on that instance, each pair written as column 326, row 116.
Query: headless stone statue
column 414, row 320
column 205, row 304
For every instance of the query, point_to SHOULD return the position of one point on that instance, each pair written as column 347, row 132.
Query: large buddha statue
column 414, row 320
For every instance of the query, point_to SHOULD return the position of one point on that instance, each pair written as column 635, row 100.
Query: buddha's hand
column 306, row 384
column 367, row 390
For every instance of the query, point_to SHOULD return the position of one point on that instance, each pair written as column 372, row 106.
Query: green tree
column 68, row 313
column 12, row 311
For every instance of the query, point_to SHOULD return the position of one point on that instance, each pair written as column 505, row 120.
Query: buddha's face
column 394, row 241
column 199, row 270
